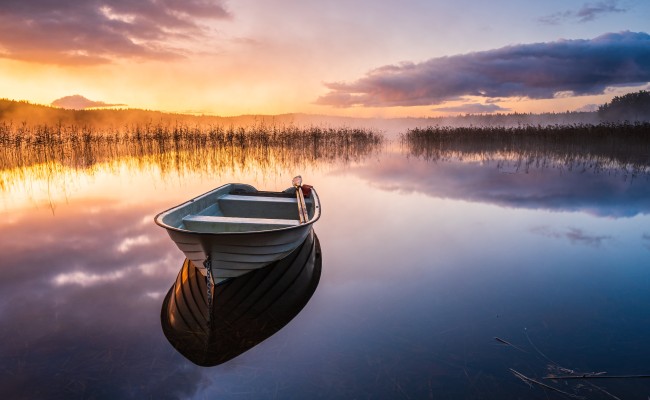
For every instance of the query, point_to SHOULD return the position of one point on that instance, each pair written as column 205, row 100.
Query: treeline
column 515, row 119
column 27, row 114
column 632, row 107
column 21, row 112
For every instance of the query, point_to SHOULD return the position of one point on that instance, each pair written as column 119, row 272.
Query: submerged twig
column 603, row 391
column 599, row 375
column 544, row 355
column 498, row 339
column 573, row 374
column 556, row 365
column 530, row 380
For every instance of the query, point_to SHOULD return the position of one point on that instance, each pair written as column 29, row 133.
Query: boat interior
column 238, row 208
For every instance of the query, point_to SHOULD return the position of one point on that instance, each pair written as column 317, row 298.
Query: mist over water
column 429, row 251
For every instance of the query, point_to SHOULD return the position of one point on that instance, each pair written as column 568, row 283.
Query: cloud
column 588, row 12
column 78, row 102
column 574, row 235
column 84, row 279
column 537, row 71
column 130, row 242
column 90, row 32
column 646, row 238
column 473, row 108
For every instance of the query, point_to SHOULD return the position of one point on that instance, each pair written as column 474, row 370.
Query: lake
column 469, row 275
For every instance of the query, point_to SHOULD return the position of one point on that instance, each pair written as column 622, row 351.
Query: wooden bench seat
column 262, row 199
column 211, row 223
column 259, row 207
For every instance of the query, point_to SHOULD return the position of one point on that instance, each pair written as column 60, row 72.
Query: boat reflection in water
column 245, row 310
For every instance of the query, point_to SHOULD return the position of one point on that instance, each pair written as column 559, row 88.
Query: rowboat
column 235, row 228
column 243, row 311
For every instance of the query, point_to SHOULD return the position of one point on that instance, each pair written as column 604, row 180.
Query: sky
column 362, row 58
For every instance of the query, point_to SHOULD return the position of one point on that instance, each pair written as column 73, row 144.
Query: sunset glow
column 386, row 59
column 220, row 199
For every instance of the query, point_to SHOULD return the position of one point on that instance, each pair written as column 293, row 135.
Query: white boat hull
column 231, row 254
column 235, row 255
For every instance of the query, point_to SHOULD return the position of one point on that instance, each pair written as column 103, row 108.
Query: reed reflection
column 45, row 152
column 245, row 311
column 602, row 170
column 604, row 147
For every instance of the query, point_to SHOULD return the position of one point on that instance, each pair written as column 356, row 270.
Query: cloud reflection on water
column 646, row 239
column 574, row 235
column 606, row 193
column 98, row 335
column 78, row 314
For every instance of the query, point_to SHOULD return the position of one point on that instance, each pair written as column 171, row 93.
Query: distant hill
column 21, row 112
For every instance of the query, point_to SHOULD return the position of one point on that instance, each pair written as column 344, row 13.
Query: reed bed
column 622, row 146
column 81, row 147
column 55, row 154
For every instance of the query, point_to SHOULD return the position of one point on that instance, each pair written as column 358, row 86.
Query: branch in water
column 529, row 381
column 598, row 375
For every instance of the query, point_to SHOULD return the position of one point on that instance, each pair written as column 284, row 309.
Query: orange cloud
column 91, row 32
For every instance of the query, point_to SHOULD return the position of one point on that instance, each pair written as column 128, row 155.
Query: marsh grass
column 623, row 147
column 58, row 155
column 183, row 147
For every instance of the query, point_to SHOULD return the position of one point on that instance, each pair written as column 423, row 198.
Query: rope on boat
column 210, row 285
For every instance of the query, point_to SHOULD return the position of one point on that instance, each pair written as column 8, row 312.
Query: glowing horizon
column 361, row 60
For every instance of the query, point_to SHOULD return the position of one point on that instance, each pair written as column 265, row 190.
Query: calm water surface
column 423, row 264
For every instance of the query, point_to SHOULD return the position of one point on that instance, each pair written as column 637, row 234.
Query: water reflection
column 498, row 182
column 594, row 147
column 55, row 154
column 246, row 310
column 516, row 180
column 79, row 300
column 587, row 168
column 422, row 272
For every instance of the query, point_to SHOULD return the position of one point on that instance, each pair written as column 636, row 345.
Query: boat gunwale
column 158, row 218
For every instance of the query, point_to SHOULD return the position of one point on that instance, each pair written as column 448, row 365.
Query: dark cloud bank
column 94, row 32
column 537, row 71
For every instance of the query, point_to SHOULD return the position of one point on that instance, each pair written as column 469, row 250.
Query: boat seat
column 263, row 199
column 212, row 223
column 270, row 208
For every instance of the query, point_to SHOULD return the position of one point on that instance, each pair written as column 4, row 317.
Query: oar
column 302, row 208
